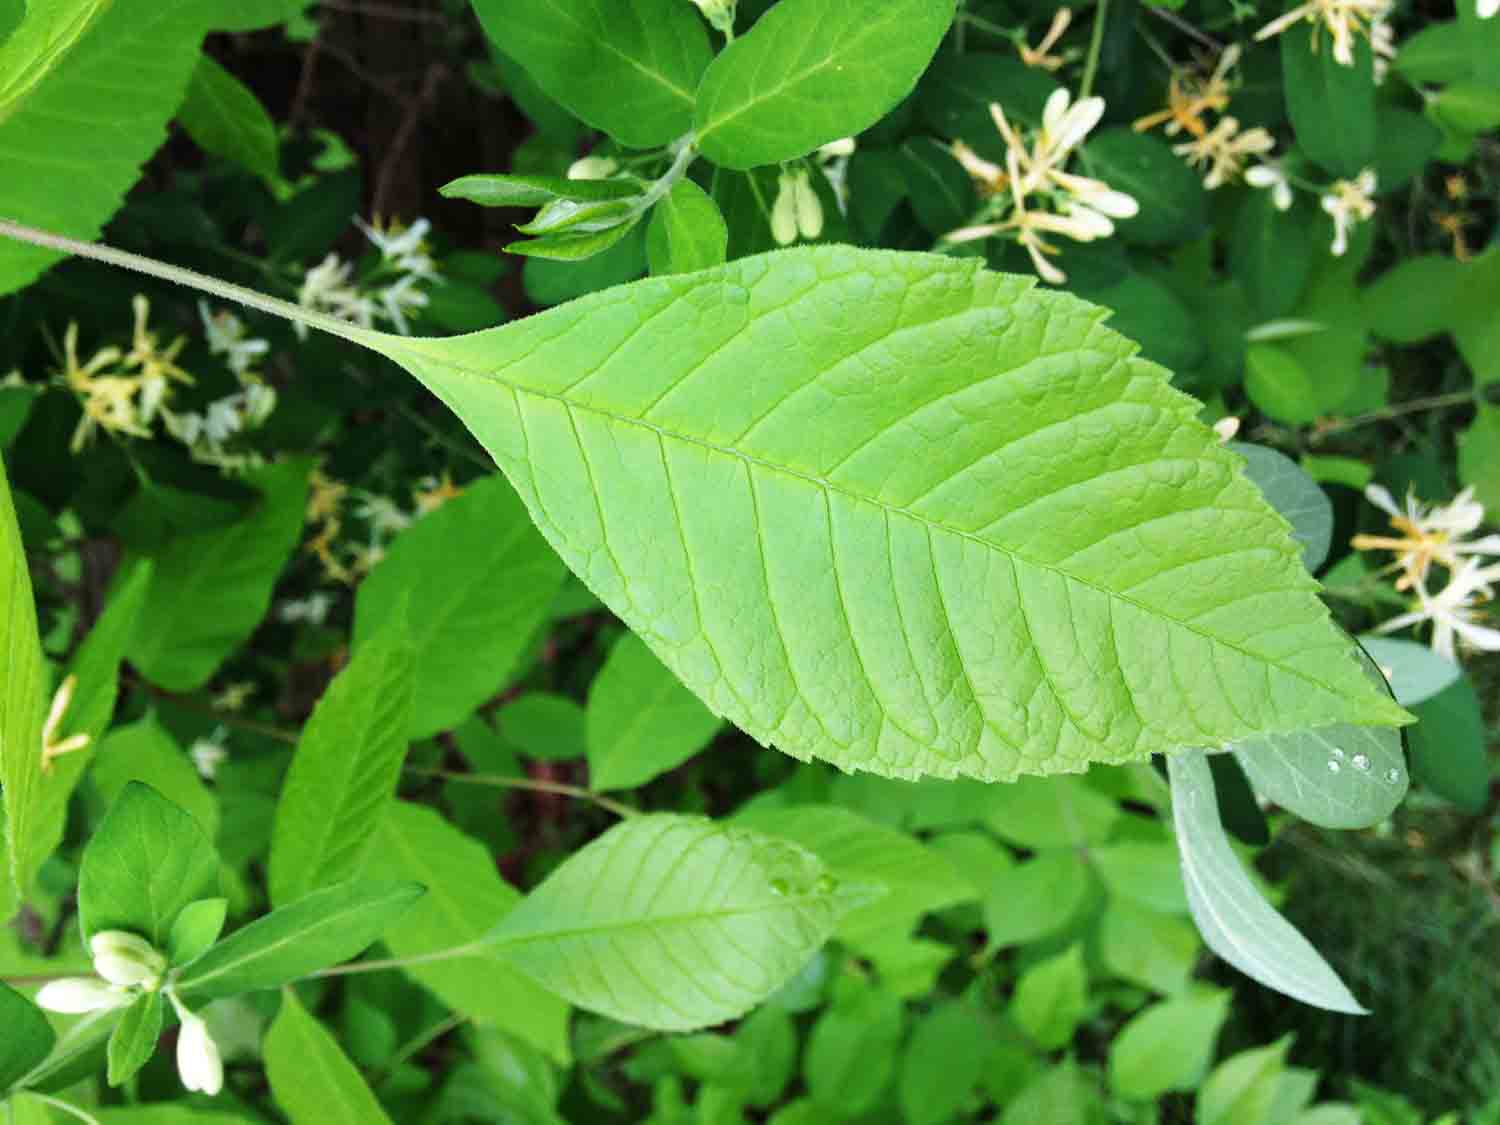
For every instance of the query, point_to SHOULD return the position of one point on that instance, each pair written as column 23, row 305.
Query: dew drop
column 1393, row 775
column 1338, row 754
column 1333, row 766
column 1361, row 762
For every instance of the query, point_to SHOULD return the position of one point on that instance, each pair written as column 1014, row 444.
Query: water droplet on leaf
column 1333, row 766
column 1361, row 761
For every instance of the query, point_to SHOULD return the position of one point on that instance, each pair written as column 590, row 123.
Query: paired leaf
column 27, row 1040
column 673, row 922
column 21, row 704
column 147, row 860
column 326, row 927
column 1051, row 997
column 209, row 591
column 480, row 580
column 465, row 899
column 1296, row 496
column 311, row 1078
column 348, row 760
column 1167, row 1046
column 224, row 117
column 133, row 1041
column 628, row 67
column 123, row 80
column 914, row 541
column 687, row 232
column 535, row 191
column 641, row 720
column 1235, row 920
column 812, row 71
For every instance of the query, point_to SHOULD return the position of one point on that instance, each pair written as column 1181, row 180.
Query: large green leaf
column 27, row 1039
column 20, row 705
column 480, row 580
column 344, row 772
column 812, row 71
column 210, row 590
column 628, row 67
column 959, row 529
column 465, row 899
column 224, row 117
column 311, row 1078
column 674, row 922
column 122, row 81
column 42, row 38
column 1332, row 106
column 1234, row 918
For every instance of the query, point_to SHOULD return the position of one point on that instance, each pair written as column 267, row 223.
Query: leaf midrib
column 604, row 41
column 396, row 344
column 502, row 942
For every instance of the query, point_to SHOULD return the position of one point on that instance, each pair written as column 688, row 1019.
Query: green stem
column 192, row 279
column 1096, row 42
column 355, row 968
column 410, row 1048
column 686, row 153
column 66, row 1107
column 531, row 784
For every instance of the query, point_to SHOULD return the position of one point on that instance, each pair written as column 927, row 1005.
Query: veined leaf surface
column 21, row 706
column 904, row 514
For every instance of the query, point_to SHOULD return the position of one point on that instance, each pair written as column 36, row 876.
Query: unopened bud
column 198, row 1062
column 719, row 13
column 126, row 959
column 76, row 995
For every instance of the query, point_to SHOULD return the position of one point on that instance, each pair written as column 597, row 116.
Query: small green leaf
column 1143, row 872
column 145, row 752
column 147, row 860
column 1279, row 385
column 1173, row 204
column 133, row 1041
column 942, row 1064
column 851, row 1051
column 1034, row 899
column 1468, row 107
column 1154, row 950
column 1242, row 1090
column 1167, row 1046
column 1235, row 920
column 312, row 1080
column 1063, row 1095
column 224, row 117
column 673, row 922
column 465, row 898
column 1271, row 254
column 27, row 1040
column 21, row 706
column 1332, row 106
column 941, row 192
column 1296, row 496
column 1050, row 999
column 480, row 579
column 347, row 763
column 196, row 929
column 534, row 191
column 326, row 927
column 812, row 71
column 1413, row 670
column 1448, row 747
column 628, row 67
column 544, row 726
column 1041, row 813
column 568, row 246
column 570, row 216
column 687, row 232
column 210, row 590
column 641, row 720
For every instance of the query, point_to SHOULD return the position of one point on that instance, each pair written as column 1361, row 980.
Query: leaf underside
column 905, row 514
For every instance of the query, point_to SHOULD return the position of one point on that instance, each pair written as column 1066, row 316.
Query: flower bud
column 126, row 959
column 75, row 995
column 198, row 1062
column 719, row 13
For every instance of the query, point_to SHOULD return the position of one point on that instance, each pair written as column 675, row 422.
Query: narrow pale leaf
column 812, row 71
column 1414, row 671
column 21, row 704
column 480, row 580
column 347, row 763
column 1234, row 918
column 958, row 530
column 673, row 922
column 1295, row 495
column 326, row 927
column 311, row 1078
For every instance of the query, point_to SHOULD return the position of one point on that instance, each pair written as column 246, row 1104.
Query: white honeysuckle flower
column 1271, row 175
column 797, row 211
column 383, row 514
column 327, row 288
column 198, row 1062
column 207, row 756
column 1383, row 46
column 73, row 996
column 222, row 420
column 234, row 696
column 719, row 13
column 51, row 746
column 1348, row 202
column 1487, row 8
column 593, row 168
column 126, row 960
column 1226, row 428
column 1344, row 19
column 1065, row 124
column 835, row 150
column 1097, row 195
column 1454, row 611
column 227, row 336
column 395, row 241
column 312, row 609
column 1224, row 149
column 399, row 298
column 1040, row 56
column 988, row 175
column 259, row 401
column 1429, row 534
column 186, row 427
